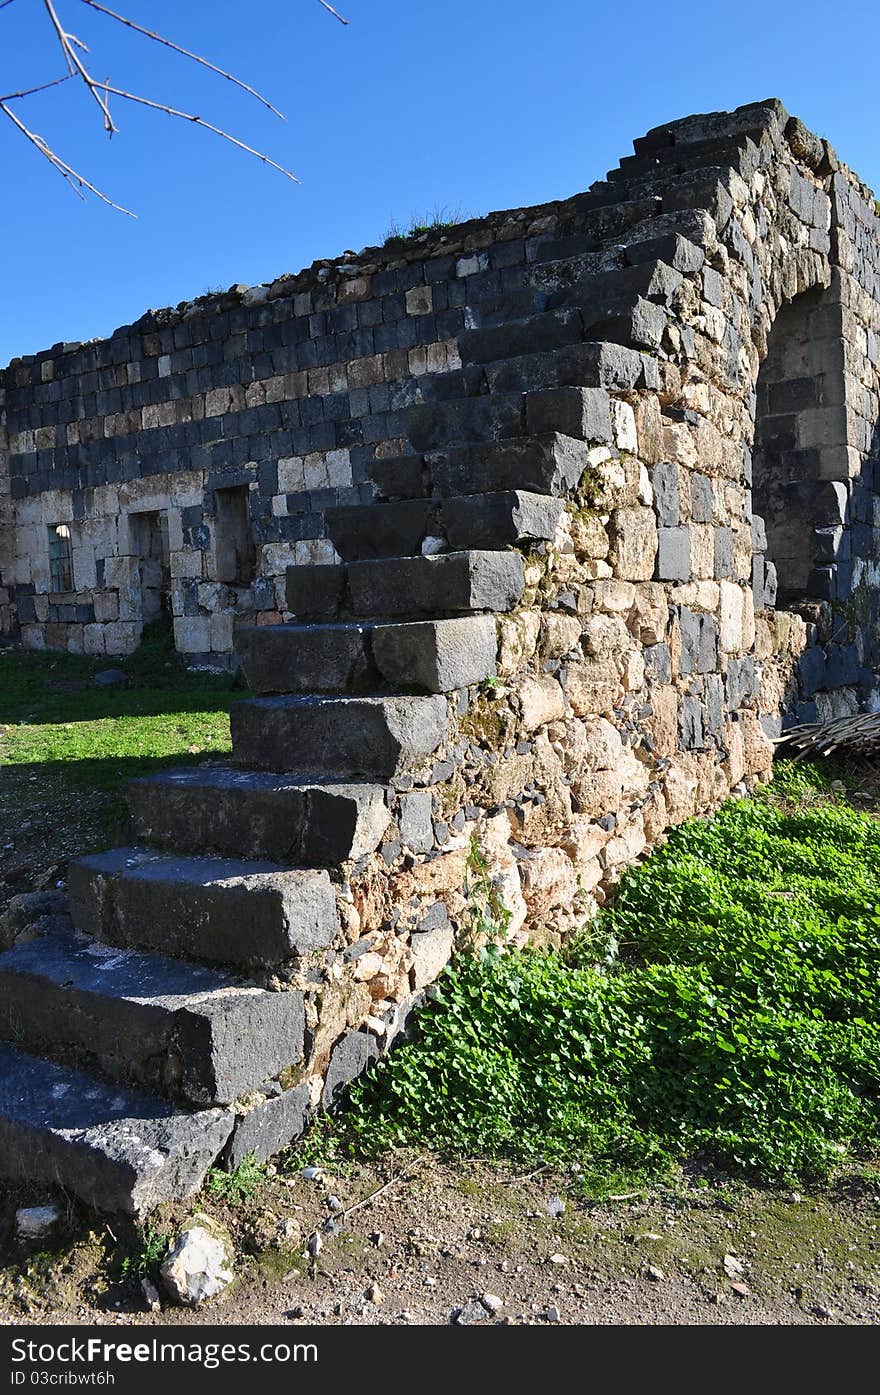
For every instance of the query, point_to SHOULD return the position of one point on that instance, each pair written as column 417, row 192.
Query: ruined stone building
column 527, row 536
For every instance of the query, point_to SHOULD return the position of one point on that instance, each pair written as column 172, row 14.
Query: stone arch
column 801, row 532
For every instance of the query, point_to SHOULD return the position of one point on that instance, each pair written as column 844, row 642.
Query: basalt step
column 575, row 411
column 372, row 738
column 507, row 518
column 549, row 463
column 117, row 1149
column 388, row 587
column 183, row 1030
column 227, row 811
column 436, row 656
column 594, row 364
column 220, row 910
column 626, row 318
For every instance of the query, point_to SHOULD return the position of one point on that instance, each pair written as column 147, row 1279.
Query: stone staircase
column 165, row 1022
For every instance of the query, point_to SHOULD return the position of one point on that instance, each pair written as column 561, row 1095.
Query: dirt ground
column 438, row 1236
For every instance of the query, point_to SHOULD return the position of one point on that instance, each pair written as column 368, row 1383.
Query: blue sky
column 467, row 104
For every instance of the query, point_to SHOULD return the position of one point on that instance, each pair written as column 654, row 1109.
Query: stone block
column 431, row 951
column 500, row 519
column 269, row 1126
column 351, row 1056
column 197, row 907
column 673, row 554
column 192, row 634
column 344, row 738
column 416, row 822
column 436, row 655
column 315, row 591
column 583, row 413
column 331, row 658
column 222, row 810
column 698, row 643
column 634, row 540
column 541, row 701
column 116, row 1149
column 181, row 1029
column 453, row 581
column 664, row 482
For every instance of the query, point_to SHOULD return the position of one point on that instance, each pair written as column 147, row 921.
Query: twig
column 364, row 1201
column 196, row 58
column 526, row 1177
column 69, row 44
column 67, row 172
column 198, row 121
column 332, row 11
column 29, row 91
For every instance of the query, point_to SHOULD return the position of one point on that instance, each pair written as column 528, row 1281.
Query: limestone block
column 291, row 474
column 560, row 634
column 541, row 701
column 122, row 637
column 106, row 605
column 650, row 620
column 188, row 563
column 192, row 634
column 221, row 623
column 517, row 640
column 614, row 597
column 623, row 425
column 757, row 749
column 680, row 789
column 431, row 952
column 633, row 675
column 589, row 536
column 583, row 840
column 548, row 879
column 663, row 723
column 627, row 842
column 93, row 639
column 598, row 793
column 593, row 687
column 633, row 550
column 730, row 633
column 654, row 817
column 702, row 536
column 605, row 635
column 603, row 746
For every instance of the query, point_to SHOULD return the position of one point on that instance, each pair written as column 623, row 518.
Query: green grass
column 242, row 1183
column 145, row 1260
column 440, row 220
column 58, row 729
column 738, row 1029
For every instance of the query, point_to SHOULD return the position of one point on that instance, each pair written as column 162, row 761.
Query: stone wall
column 566, row 514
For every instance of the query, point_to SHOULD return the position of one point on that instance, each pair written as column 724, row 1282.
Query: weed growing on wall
column 739, row 1027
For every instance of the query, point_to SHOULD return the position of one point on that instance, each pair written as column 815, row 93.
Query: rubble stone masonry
column 543, row 526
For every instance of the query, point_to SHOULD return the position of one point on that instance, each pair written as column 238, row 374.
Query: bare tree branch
column 198, row 121
column 67, row 172
column 71, row 47
column 332, row 11
column 29, row 91
column 69, row 44
column 196, row 58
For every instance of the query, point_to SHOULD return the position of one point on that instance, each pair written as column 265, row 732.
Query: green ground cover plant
column 723, row 1012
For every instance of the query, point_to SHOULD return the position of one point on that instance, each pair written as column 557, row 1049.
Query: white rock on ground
column 33, row 1222
column 198, row 1266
